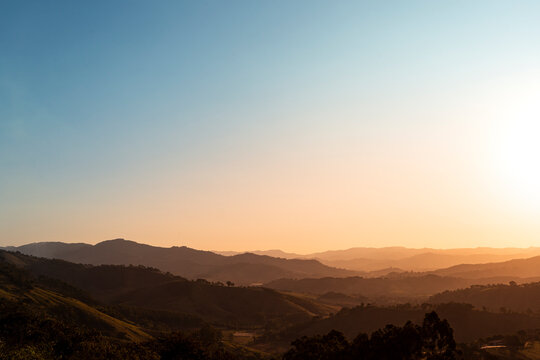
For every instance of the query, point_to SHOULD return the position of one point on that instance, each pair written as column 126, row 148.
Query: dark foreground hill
column 40, row 320
column 242, row 269
column 138, row 286
column 61, row 301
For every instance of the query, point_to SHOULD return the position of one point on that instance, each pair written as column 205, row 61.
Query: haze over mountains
column 404, row 287
column 485, row 265
column 190, row 263
column 329, row 284
column 133, row 291
column 407, row 259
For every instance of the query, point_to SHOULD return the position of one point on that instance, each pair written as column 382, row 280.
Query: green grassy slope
column 16, row 286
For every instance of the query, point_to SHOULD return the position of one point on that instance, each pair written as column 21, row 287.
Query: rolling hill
column 401, row 286
column 468, row 324
column 44, row 318
column 183, row 261
column 149, row 288
column 518, row 268
column 383, row 289
column 505, row 297
column 16, row 285
column 263, row 266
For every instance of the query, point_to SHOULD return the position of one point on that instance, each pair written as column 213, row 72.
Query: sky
column 298, row 125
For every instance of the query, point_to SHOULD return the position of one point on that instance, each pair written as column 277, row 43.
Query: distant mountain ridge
column 244, row 268
column 425, row 259
column 421, row 284
column 518, row 268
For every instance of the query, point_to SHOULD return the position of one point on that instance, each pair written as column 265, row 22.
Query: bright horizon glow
column 518, row 159
column 302, row 126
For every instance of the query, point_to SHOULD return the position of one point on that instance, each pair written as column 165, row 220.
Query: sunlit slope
column 48, row 298
column 16, row 287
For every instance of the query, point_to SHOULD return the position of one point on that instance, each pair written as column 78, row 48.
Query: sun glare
column 517, row 159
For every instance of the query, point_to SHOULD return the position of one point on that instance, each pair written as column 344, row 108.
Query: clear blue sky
column 174, row 122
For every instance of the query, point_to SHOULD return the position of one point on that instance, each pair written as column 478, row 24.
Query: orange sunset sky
column 301, row 126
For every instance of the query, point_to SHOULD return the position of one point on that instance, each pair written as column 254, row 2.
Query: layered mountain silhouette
column 405, row 285
column 243, row 269
column 381, row 290
column 517, row 268
column 405, row 259
column 149, row 288
column 310, row 275
column 135, row 303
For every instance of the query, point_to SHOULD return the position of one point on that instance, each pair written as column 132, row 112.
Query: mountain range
column 242, row 269
column 408, row 286
column 406, row 259
column 517, row 268
column 139, row 303
column 262, row 268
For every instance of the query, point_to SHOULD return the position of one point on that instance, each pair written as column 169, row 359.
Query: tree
column 438, row 338
column 434, row 340
column 332, row 346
